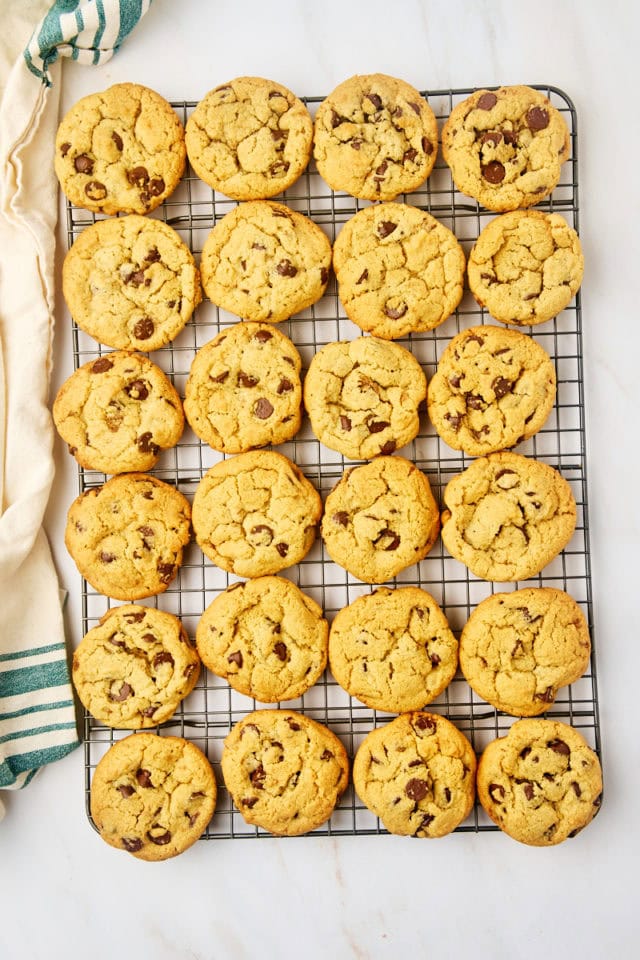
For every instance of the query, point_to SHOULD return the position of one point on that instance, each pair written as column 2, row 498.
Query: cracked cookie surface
column 266, row 638
column 244, row 389
column 541, row 783
column 133, row 668
column 505, row 147
column 117, row 413
column 120, row 151
column 393, row 649
column 374, row 137
column 493, row 388
column 250, row 138
column 265, row 261
column 284, row 771
column 127, row 536
column 399, row 270
column 255, row 514
column 507, row 516
column 131, row 282
column 152, row 796
column 362, row 396
column 517, row 649
column 380, row 518
column 526, row 266
column 417, row 774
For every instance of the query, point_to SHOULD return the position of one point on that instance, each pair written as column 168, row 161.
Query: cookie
column 393, row 649
column 526, row 266
column 127, row 536
column 380, row 518
column 493, row 388
column 541, row 783
column 417, row 774
column 264, row 261
column 362, row 396
column 375, row 137
column 255, row 514
column 244, row 389
column 505, row 147
column 517, row 649
column 131, row 283
column 134, row 668
column 117, row 413
column 120, row 151
column 507, row 516
column 152, row 796
column 249, row 138
column 399, row 270
column 285, row 772
column 266, row 638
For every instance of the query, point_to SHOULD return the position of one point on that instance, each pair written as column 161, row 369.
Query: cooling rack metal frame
column 207, row 715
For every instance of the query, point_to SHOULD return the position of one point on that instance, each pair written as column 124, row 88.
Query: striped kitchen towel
column 37, row 714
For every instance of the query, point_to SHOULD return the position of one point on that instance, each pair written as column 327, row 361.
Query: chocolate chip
column 547, row 696
column 503, row 473
column 277, row 134
column 494, row 138
column 336, row 120
column 416, row 789
column 144, row 328
column 285, row 386
column 125, row 790
column 425, row 723
column 363, row 276
column 496, row 792
column 382, row 168
column 283, row 549
column 160, row 839
column 263, row 528
column 263, row 336
column 524, row 753
column 394, row 539
column 356, row 144
column 249, row 802
column 487, row 101
column 235, row 657
column 501, row 387
column 493, row 172
column 95, row 190
column 278, row 168
column 375, row 100
column 528, row 791
column 409, row 154
column 247, row 379
column 221, row 377
column 559, row 746
column 510, row 137
column 138, row 176
column 385, row 228
column 107, row 557
column 435, row 660
column 377, row 426
column 292, row 724
column 149, row 638
column 64, row 149
column 324, row 275
column 123, row 693
column 394, row 313
column 166, row 572
column 388, row 447
column 415, row 107
column 342, row 518
column 280, row 651
column 257, row 777
column 427, row 146
column 163, row 657
column 102, row 365
column 537, row 119
column 258, row 246
column 263, row 409
column 132, row 844
column 286, row 269
column 149, row 711
column 137, row 278
column 137, row 390
column 397, row 112
column 447, row 794
column 455, row 420
column 83, row 164
column 135, row 617
column 143, row 777
column 117, row 139
column 146, row 445
column 426, row 820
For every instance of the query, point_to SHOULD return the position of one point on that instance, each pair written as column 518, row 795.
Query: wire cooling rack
column 209, row 712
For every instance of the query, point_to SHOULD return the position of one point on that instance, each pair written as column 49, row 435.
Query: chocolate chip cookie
column 526, row 266
column 256, row 514
column 120, row 151
column 249, row 138
column 117, row 413
column 134, row 668
column 152, row 796
column 507, row 516
column 131, row 283
column 399, row 270
column 541, row 783
column 505, row 147
column 244, row 389
column 362, row 396
column 265, row 261
column 493, row 388
column 380, row 518
column 517, row 649
column 284, row 771
column 417, row 774
column 375, row 137
column 393, row 649
column 266, row 638
column 127, row 536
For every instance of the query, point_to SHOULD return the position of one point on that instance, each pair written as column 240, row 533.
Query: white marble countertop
column 63, row 892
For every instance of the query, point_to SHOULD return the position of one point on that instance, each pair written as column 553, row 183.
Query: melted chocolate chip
column 221, row 377
column 285, row 386
column 494, row 137
column 363, row 276
column 324, row 275
column 493, row 172
column 292, row 724
column 135, row 617
column 143, row 777
column 263, row 409
column 137, row 278
column 235, row 657
column 166, row 572
column 394, row 539
column 107, row 557
column 394, row 313
column 125, row 790
column 425, row 723
column 388, row 447
column 375, row 100
column 410, row 154
column 132, row 844
column 496, row 792
column 341, row 518
column 559, row 746
column 263, row 336
column 257, row 777
column 528, row 791
column 83, row 164
column 64, row 149
column 385, row 228
column 262, row 528
column 501, row 387
column 117, row 139
column 283, row 549
column 102, row 365
column 160, row 839
column 286, row 269
column 145, row 444
column 138, row 176
column 377, row 426
column 137, row 390
column 144, row 328
column 246, row 379
column 427, row 146
column 163, row 657
column 280, row 650
column 416, row 789
column 123, row 694
column 537, row 119
column 95, row 190
column 487, row 101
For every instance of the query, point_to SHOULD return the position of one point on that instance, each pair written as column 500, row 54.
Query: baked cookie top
column 265, row 261
column 127, row 536
column 417, row 774
column 399, row 270
column 380, row 518
column 266, row 638
column 131, row 282
column 285, row 772
column 133, row 668
column 507, row 516
column 256, row 514
column 375, row 137
column 120, row 151
column 244, row 389
column 362, row 396
column 505, row 147
column 517, row 649
column 493, row 388
column 152, row 796
column 541, row 783
column 526, row 266
column 393, row 649
column 249, row 138
column 117, row 413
